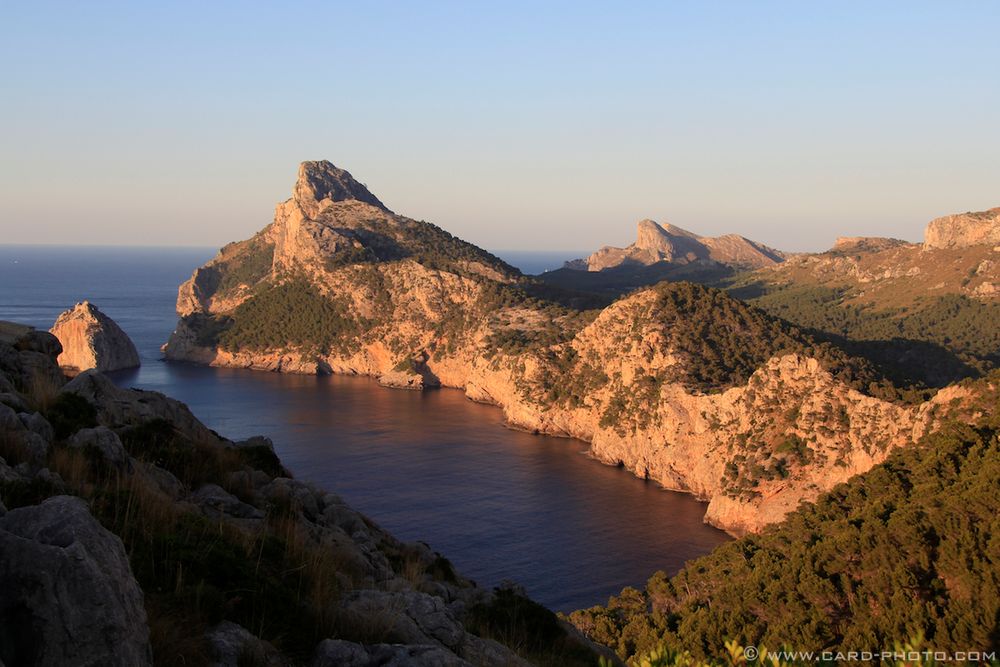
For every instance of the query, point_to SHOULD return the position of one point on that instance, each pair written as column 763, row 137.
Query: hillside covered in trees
column 909, row 549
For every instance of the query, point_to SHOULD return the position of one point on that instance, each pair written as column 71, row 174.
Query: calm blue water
column 533, row 262
column 429, row 466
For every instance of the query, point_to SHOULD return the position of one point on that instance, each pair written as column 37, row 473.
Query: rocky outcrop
column 963, row 230
column 622, row 382
column 657, row 242
column 118, row 408
column 26, row 362
column 232, row 645
column 69, row 596
column 91, row 339
column 865, row 243
column 181, row 494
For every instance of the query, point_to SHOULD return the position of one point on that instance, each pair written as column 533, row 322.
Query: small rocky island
column 91, row 339
column 132, row 534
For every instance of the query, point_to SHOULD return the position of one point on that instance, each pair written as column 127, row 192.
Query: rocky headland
column 92, row 340
column 131, row 534
column 678, row 383
column 656, row 242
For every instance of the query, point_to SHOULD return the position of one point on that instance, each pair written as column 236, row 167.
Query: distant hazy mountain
column 668, row 243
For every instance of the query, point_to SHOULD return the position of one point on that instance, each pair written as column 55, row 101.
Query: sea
column 432, row 466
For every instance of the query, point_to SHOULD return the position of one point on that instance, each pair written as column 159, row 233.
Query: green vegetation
column 550, row 323
column 912, row 653
column 519, row 622
column 909, row 549
column 723, row 341
column 249, row 268
column 934, row 341
column 290, row 314
column 436, row 248
column 69, row 413
column 351, row 256
column 385, row 241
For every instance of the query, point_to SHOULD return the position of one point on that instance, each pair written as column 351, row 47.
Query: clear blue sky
column 511, row 125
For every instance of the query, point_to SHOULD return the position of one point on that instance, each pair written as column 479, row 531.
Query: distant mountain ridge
column 668, row 243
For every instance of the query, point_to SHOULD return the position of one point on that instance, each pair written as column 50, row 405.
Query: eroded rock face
column 963, row 230
column 69, row 597
column 91, row 339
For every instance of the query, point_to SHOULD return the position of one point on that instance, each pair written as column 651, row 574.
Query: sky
column 528, row 126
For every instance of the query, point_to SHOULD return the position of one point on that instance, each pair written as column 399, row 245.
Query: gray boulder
column 410, row 617
column 11, row 398
column 36, row 423
column 69, row 597
column 117, row 408
column 33, row 447
column 233, row 645
column 217, row 503
column 102, row 440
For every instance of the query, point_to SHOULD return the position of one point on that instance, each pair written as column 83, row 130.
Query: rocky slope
column 91, row 339
column 964, row 230
column 958, row 257
column 679, row 384
column 130, row 533
column 928, row 314
column 671, row 244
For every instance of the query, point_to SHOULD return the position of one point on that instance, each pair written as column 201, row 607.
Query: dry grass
column 41, row 391
column 12, row 450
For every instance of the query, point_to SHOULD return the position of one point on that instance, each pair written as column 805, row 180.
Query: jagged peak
column 320, row 183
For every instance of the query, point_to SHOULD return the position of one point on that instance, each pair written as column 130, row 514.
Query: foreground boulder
column 91, row 339
column 68, row 594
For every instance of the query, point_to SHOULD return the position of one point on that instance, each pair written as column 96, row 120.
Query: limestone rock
column 117, row 408
column 865, row 243
column 103, row 440
column 27, row 361
column 91, row 339
column 69, row 597
column 233, row 645
column 668, row 243
column 38, row 424
column 963, row 230
column 24, row 338
column 411, row 617
column 320, row 183
column 216, row 502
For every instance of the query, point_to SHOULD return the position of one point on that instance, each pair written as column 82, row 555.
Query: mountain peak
column 320, row 184
column 663, row 242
